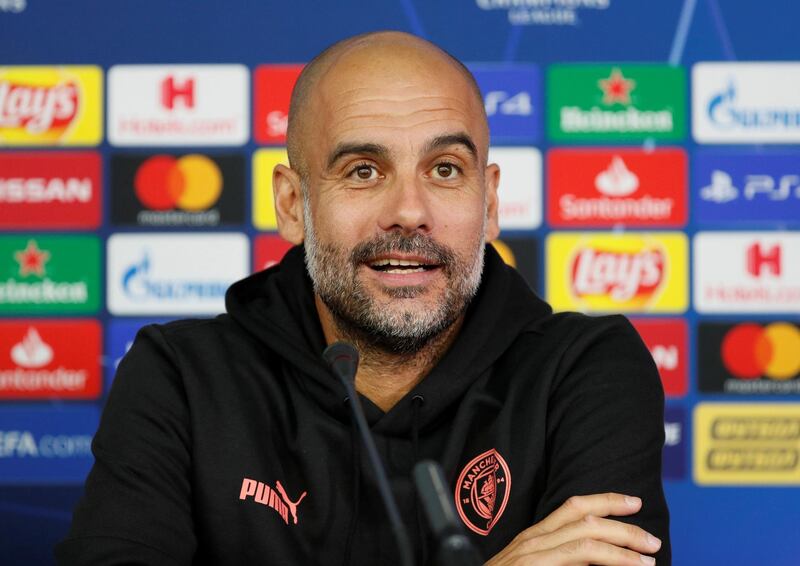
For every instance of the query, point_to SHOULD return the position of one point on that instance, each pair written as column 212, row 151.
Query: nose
column 407, row 206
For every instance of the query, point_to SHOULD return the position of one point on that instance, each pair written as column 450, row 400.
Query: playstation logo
column 721, row 189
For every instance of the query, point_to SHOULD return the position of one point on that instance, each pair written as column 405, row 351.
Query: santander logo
column 617, row 180
column 36, row 108
column 622, row 276
column 32, row 351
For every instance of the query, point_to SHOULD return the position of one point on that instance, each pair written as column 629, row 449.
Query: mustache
column 417, row 244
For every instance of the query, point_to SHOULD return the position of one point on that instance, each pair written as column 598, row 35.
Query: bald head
column 361, row 56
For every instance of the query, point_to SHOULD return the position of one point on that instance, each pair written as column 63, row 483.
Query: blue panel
column 512, row 96
column 46, row 445
column 736, row 187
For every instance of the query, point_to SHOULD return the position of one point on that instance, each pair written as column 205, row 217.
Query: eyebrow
column 381, row 151
column 452, row 139
column 344, row 149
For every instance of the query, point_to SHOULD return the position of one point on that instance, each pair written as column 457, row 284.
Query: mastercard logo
column 192, row 183
column 750, row 351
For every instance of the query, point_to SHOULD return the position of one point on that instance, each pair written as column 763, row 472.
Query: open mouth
column 401, row 266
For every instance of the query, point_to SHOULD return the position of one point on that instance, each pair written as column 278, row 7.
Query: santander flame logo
column 617, row 180
column 32, row 351
column 38, row 109
column 627, row 277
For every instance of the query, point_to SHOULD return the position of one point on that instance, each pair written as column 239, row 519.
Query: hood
column 277, row 307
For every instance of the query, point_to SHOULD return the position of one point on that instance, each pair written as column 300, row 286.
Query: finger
column 589, row 551
column 578, row 506
column 591, row 527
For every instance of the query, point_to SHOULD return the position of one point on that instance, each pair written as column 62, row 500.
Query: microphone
column 342, row 358
column 454, row 547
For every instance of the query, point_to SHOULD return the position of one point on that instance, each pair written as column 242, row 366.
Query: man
column 228, row 441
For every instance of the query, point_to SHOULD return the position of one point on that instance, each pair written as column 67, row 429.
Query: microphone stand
column 343, row 360
column 453, row 547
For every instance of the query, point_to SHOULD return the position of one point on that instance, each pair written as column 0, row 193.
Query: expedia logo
column 482, row 491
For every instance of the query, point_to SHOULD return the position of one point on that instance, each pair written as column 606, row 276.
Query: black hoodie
column 228, row 441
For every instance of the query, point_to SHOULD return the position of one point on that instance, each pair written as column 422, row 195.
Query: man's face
column 395, row 200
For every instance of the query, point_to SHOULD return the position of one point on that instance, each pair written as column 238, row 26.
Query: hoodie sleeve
column 605, row 429
column 136, row 508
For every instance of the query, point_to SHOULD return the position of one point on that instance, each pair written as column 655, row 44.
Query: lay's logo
column 622, row 276
column 606, row 272
column 50, row 105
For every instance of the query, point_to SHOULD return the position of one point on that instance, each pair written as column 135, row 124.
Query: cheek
column 341, row 225
column 462, row 223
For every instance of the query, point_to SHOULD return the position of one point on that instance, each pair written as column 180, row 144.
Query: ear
column 287, row 192
column 492, row 182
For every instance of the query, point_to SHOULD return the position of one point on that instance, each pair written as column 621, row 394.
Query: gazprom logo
column 724, row 112
column 139, row 284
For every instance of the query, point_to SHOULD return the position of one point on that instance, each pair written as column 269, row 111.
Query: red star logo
column 31, row 260
column 616, row 88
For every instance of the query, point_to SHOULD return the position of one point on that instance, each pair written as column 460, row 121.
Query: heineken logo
column 31, row 260
column 616, row 88
column 629, row 102
column 49, row 274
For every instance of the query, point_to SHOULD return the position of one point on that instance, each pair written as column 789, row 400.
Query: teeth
column 382, row 262
column 404, row 271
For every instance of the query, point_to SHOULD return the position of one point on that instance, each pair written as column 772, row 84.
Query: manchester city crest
column 482, row 491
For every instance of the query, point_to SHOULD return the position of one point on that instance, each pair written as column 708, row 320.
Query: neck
column 385, row 377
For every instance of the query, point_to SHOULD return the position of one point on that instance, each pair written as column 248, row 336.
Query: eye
column 445, row 171
column 364, row 172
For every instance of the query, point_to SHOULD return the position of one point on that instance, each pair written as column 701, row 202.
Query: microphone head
column 342, row 358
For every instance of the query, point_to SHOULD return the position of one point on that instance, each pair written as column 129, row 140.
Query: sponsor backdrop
column 650, row 164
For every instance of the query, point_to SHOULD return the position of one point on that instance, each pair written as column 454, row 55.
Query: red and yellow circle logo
column 750, row 351
column 192, row 183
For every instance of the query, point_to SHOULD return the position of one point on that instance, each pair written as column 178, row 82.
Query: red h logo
column 171, row 91
column 759, row 259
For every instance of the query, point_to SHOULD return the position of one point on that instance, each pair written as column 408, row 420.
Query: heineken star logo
column 616, row 88
column 31, row 260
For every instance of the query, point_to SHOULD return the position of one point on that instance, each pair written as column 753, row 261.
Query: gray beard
column 359, row 317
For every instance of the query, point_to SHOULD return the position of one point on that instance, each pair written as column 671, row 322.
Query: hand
column 577, row 534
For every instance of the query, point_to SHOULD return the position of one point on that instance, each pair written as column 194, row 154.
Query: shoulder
column 599, row 351
column 570, row 335
column 580, row 327
column 194, row 336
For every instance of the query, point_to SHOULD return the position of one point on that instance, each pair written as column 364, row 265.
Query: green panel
column 43, row 274
column 652, row 103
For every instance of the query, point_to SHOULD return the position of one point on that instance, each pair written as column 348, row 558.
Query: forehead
column 395, row 97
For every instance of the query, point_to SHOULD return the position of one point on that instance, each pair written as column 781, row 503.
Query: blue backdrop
column 710, row 525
